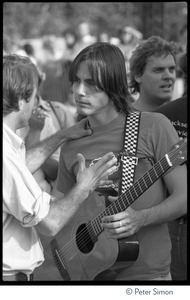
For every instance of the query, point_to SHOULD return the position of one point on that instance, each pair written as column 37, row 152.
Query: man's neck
column 141, row 105
column 102, row 118
column 10, row 121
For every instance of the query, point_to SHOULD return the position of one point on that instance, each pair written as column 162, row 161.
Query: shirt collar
column 12, row 138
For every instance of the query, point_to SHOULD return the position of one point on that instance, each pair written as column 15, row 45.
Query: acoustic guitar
column 85, row 250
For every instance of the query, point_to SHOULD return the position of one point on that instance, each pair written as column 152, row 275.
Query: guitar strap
column 128, row 156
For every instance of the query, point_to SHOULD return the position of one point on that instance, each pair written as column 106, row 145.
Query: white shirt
column 24, row 206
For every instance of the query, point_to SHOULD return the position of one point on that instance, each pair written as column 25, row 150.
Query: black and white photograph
column 94, row 152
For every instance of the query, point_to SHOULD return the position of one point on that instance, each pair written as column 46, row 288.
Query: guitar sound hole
column 83, row 239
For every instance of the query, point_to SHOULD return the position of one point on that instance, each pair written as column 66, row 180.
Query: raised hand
column 96, row 175
column 37, row 118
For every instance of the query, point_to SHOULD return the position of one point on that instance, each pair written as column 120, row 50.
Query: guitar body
column 84, row 258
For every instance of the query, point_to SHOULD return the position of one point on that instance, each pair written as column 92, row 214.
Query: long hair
column 20, row 76
column 106, row 65
column 153, row 46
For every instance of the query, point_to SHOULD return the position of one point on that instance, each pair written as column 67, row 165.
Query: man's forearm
column 40, row 152
column 32, row 138
column 175, row 205
column 61, row 211
column 166, row 211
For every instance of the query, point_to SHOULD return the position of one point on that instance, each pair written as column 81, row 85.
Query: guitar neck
column 132, row 194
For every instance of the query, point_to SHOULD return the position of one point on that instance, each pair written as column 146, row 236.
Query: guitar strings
column 86, row 233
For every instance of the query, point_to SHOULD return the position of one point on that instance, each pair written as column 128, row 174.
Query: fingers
column 84, row 128
column 81, row 161
column 76, row 132
column 43, row 113
column 112, row 199
column 121, row 225
column 82, row 133
column 106, row 158
column 106, row 165
column 96, row 174
column 116, row 229
column 38, row 115
column 104, row 182
column 88, row 131
column 114, row 218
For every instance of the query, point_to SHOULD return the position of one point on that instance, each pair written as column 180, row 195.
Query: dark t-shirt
column 176, row 112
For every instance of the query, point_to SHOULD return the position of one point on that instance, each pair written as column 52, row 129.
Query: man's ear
column 138, row 79
column 20, row 104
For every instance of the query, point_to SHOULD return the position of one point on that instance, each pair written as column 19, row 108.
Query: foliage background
column 35, row 19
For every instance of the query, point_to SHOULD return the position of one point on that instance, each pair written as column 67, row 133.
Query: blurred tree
column 153, row 13
column 34, row 19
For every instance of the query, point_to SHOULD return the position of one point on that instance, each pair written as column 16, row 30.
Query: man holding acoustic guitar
column 95, row 244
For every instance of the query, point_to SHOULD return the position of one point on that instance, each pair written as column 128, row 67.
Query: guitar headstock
column 178, row 153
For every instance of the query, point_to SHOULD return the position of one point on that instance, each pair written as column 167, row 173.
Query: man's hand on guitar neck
column 123, row 224
column 128, row 222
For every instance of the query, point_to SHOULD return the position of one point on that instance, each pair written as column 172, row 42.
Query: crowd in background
column 53, row 55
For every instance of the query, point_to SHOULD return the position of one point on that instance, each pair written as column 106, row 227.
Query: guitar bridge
column 58, row 260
